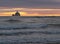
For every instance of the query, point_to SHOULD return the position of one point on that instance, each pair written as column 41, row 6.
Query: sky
column 30, row 7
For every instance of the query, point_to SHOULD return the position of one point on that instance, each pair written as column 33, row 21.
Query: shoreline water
column 29, row 30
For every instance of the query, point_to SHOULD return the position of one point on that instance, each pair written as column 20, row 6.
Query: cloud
column 55, row 0
column 29, row 11
column 30, row 3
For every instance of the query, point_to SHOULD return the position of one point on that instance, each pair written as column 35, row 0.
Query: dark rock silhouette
column 12, row 14
column 16, row 14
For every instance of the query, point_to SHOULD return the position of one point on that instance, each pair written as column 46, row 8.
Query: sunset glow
column 29, row 12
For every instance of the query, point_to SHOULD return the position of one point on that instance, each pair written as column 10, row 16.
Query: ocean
column 29, row 30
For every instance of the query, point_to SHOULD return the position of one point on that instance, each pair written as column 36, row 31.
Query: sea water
column 29, row 30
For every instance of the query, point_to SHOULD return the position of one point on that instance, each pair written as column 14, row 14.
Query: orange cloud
column 29, row 12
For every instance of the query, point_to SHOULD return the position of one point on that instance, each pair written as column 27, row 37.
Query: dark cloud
column 30, row 3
